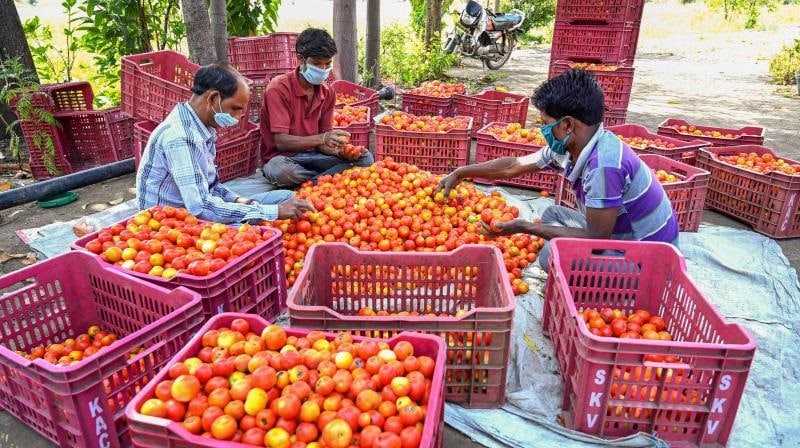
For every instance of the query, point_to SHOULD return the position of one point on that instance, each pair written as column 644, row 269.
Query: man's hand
column 518, row 225
column 335, row 139
column 447, row 183
column 294, row 208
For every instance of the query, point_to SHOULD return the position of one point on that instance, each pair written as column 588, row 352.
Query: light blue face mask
column 315, row 75
column 556, row 145
column 224, row 119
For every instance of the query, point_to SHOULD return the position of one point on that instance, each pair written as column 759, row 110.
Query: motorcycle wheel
column 497, row 63
column 449, row 44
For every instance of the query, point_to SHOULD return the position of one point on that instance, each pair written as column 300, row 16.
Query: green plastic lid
column 57, row 200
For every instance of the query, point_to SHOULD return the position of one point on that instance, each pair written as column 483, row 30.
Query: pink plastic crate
column 83, row 405
column 153, row 432
column 682, row 151
column 97, row 137
column 331, row 288
column 768, row 202
column 609, row 388
column 490, row 148
column 608, row 44
column 439, row 153
column 615, row 117
column 364, row 95
column 592, row 11
column 260, row 53
column 687, row 195
column 70, row 97
column 253, row 283
column 617, row 84
column 359, row 131
column 35, row 135
column 234, row 155
column 748, row 135
column 426, row 105
column 490, row 106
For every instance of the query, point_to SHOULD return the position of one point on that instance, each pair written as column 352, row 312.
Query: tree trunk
column 13, row 45
column 373, row 48
column 345, row 64
column 198, row 31
column 219, row 26
column 433, row 21
column 496, row 8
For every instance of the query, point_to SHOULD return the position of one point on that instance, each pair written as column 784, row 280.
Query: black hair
column 220, row 77
column 575, row 93
column 315, row 43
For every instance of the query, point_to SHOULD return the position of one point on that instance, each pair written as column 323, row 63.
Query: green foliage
column 405, row 60
column 537, row 12
column 18, row 87
column 786, row 64
column 252, row 17
column 751, row 9
column 52, row 64
column 419, row 13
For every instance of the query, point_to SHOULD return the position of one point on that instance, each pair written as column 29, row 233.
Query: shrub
column 785, row 64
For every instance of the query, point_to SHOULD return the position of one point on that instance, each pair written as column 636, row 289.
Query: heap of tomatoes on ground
column 763, row 163
column 402, row 121
column 391, row 206
column 275, row 390
column 165, row 241
column 439, row 89
column 515, row 133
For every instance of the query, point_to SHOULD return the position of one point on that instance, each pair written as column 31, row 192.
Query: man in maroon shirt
column 299, row 143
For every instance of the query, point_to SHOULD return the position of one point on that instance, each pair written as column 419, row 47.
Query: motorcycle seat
column 506, row 21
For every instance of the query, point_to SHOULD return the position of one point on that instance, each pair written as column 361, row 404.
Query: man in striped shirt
column 177, row 166
column 617, row 194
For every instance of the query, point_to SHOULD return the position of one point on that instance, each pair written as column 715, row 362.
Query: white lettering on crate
column 725, row 382
column 594, row 399
column 717, row 406
column 100, row 426
column 591, row 419
column 712, row 426
column 600, row 377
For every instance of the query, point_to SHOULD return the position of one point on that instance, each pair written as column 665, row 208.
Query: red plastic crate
column 364, row 95
column 159, row 432
column 83, row 405
column 592, row 11
column 768, row 202
column 683, row 151
column 691, row 402
column 260, row 53
column 426, row 105
column 687, row 195
column 617, row 84
column 748, row 135
column 359, row 131
column 490, row 148
column 611, row 44
column 70, row 97
column 331, row 288
column 97, row 137
column 234, row 155
column 35, row 134
column 490, row 106
column 257, row 97
column 253, row 283
column 615, row 117
column 439, row 153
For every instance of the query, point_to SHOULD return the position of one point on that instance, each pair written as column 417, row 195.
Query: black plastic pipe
column 38, row 190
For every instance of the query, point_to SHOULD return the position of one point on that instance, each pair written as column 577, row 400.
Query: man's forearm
column 295, row 143
column 550, row 232
column 503, row 168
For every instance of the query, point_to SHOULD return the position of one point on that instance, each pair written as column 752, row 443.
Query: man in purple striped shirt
column 618, row 196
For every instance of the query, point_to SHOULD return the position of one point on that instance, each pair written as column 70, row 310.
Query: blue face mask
column 315, row 75
column 224, row 119
column 556, row 145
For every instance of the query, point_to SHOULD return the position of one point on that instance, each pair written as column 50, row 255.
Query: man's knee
column 543, row 256
column 366, row 160
column 284, row 172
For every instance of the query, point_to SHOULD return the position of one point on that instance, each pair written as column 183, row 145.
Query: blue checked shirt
column 177, row 169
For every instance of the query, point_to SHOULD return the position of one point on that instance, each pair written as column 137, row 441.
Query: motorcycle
column 481, row 34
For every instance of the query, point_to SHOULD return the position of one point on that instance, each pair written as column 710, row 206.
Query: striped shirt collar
column 208, row 134
column 577, row 168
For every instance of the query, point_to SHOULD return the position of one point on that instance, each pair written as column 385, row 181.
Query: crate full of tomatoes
column 460, row 296
column 242, row 382
column 497, row 140
column 80, row 339
column 683, row 130
column 490, row 106
column 754, row 185
column 644, row 142
column 649, row 353
column 432, row 98
column 434, row 143
column 354, row 95
column 356, row 121
column 232, row 268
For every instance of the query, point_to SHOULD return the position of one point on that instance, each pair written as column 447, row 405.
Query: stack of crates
column 600, row 37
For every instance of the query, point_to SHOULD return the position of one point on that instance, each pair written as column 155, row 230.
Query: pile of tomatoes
column 348, row 115
column 692, row 130
column 615, row 323
column 345, row 98
column 593, row 66
column 664, row 176
column 353, row 152
column 402, row 121
column 165, row 241
column 275, row 390
column 644, row 142
column 439, row 89
column 390, row 206
column 515, row 133
column 73, row 350
column 765, row 163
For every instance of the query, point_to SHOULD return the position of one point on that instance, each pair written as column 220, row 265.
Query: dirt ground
column 704, row 80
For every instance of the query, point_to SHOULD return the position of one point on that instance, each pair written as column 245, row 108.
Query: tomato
column 410, row 437
column 193, row 424
column 388, row 440
column 337, row 434
column 253, row 436
column 185, row 388
column 154, row 408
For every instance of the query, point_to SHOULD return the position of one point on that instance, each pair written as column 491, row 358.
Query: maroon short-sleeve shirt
column 286, row 110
